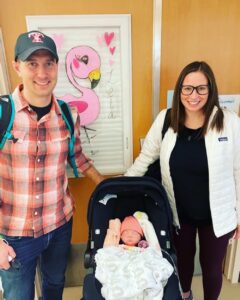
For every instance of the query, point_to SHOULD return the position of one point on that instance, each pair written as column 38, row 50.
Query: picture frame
column 5, row 87
column 107, row 138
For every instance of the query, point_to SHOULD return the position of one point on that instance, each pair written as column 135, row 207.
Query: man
column 36, row 206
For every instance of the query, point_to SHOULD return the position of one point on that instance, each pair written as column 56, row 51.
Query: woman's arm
column 151, row 148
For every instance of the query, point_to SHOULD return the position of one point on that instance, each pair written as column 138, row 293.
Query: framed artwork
column 5, row 87
column 95, row 75
column 231, row 102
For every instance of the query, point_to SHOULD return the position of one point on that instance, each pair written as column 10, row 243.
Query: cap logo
column 36, row 37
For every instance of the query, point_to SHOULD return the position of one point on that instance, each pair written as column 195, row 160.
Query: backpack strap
column 154, row 169
column 67, row 116
column 7, row 113
column 166, row 122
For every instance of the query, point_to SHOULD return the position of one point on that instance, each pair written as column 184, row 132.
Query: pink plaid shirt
column 34, row 195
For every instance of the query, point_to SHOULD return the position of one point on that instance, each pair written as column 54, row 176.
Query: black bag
column 154, row 169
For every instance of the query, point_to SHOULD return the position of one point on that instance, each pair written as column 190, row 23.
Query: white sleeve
column 151, row 148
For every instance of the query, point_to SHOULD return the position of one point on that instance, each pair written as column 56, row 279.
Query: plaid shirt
column 34, row 195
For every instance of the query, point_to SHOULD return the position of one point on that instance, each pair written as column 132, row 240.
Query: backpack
column 7, row 114
column 154, row 169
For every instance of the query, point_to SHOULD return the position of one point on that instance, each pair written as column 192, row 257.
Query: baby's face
column 130, row 237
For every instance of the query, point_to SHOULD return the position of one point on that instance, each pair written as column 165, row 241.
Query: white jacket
column 223, row 154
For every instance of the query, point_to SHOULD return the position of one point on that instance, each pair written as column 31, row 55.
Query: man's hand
column 93, row 174
column 6, row 254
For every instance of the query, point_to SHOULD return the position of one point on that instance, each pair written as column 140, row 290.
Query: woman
column 200, row 168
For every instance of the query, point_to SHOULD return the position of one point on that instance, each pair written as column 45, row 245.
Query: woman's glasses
column 187, row 90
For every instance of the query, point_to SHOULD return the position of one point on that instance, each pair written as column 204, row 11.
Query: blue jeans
column 51, row 250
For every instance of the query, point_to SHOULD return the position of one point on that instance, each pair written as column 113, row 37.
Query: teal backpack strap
column 67, row 116
column 7, row 114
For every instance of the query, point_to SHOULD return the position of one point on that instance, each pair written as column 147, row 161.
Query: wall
column 12, row 21
column 201, row 30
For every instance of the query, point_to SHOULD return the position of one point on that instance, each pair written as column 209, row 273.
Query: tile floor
column 229, row 291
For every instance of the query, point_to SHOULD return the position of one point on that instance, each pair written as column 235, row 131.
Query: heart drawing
column 112, row 50
column 108, row 37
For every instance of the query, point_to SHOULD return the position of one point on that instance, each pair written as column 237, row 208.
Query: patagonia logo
column 223, row 139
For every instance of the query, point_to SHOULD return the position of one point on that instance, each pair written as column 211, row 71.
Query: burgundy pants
column 211, row 254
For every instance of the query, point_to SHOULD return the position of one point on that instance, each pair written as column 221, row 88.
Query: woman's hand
column 237, row 233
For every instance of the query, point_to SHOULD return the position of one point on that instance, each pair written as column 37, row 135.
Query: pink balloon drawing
column 83, row 62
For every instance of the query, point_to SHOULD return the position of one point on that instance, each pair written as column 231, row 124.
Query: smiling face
column 195, row 102
column 39, row 77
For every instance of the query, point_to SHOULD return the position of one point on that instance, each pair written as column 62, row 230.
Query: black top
column 41, row 111
column 189, row 172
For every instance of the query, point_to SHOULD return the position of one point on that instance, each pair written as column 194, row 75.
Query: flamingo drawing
column 83, row 62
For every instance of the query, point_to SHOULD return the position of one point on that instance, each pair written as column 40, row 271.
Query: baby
column 129, row 232
column 124, row 268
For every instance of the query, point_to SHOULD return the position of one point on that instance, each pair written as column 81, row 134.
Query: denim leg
column 18, row 281
column 53, row 262
column 53, row 249
column 18, row 284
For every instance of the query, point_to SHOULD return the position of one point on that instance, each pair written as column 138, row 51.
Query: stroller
column 119, row 197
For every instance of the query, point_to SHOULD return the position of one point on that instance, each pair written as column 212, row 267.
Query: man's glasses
column 187, row 90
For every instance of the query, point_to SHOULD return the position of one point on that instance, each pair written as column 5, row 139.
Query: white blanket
column 133, row 274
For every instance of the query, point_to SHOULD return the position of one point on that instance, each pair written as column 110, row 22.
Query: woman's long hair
column 178, row 113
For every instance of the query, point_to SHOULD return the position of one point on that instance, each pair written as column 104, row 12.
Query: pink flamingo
column 83, row 62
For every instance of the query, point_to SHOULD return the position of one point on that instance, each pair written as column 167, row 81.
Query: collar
column 21, row 103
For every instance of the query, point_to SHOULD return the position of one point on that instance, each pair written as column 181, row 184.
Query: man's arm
column 93, row 174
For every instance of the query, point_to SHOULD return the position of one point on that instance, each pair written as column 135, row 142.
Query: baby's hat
column 131, row 223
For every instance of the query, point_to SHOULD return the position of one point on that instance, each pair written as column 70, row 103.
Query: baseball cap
column 29, row 42
column 131, row 223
